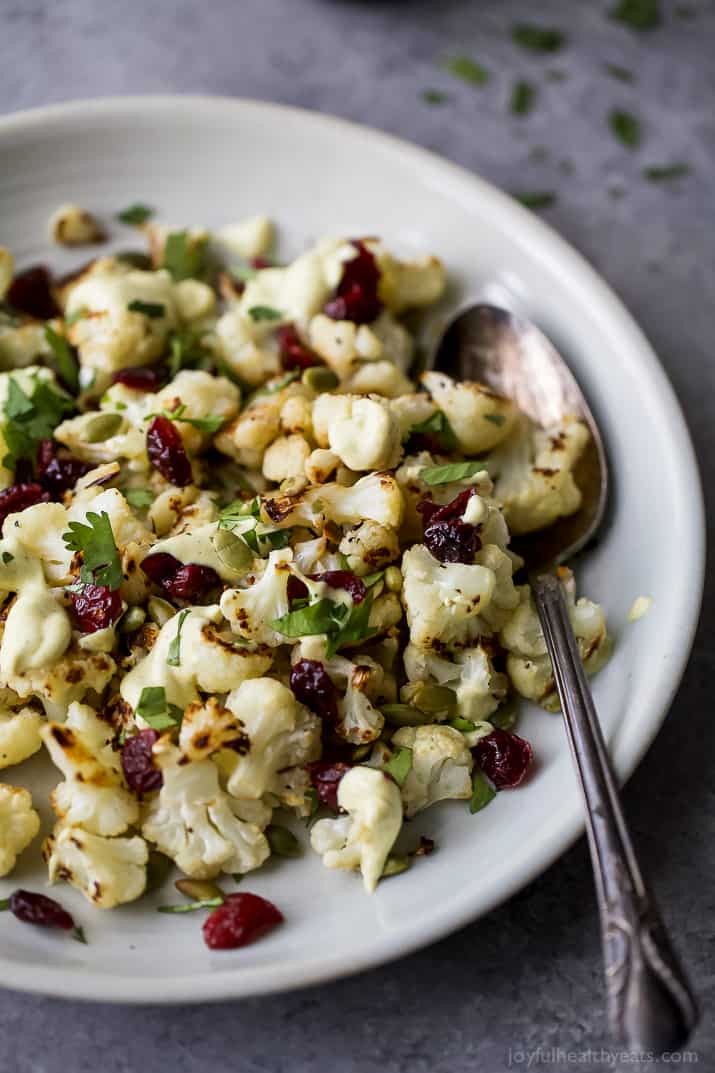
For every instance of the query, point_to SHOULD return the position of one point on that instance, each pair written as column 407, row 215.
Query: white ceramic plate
column 211, row 161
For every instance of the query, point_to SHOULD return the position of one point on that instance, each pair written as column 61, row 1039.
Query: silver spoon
column 650, row 1004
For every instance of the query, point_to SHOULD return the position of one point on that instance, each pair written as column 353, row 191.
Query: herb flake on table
column 626, row 127
column 537, row 38
column 434, row 96
column 623, row 74
column 637, row 14
column 523, row 98
column 666, row 172
column 135, row 215
column 467, row 69
column 537, row 199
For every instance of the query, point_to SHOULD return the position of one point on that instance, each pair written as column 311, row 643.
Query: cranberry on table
column 31, row 293
column 241, row 919
column 357, row 298
column 504, row 758
column 140, row 771
column 325, row 778
column 94, row 607
column 166, row 451
column 312, row 686
column 140, row 377
column 58, row 472
column 343, row 579
column 34, row 908
column 19, row 496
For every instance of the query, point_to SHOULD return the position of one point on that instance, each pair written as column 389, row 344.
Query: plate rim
column 243, row 981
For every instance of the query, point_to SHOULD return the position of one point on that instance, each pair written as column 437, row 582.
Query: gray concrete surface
column 528, row 975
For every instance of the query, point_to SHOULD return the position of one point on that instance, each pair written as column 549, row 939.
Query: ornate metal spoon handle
column 650, row 1004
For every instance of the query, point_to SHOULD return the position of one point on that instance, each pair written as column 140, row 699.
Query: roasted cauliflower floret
column 369, row 547
column 108, row 871
column 251, row 237
column 73, row 676
column 252, row 610
column 193, row 821
column 375, row 497
column 478, row 688
column 286, row 457
column 407, row 284
column 19, row 735
column 208, row 727
column 479, row 418
column 281, row 733
column 19, row 824
column 441, row 766
column 361, row 431
column 528, row 664
column 362, row 839
column 444, row 602
column 93, row 795
column 533, row 471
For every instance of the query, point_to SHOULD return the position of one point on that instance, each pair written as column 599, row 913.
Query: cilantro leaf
column 135, row 214
column 156, row 711
column 626, row 127
column 523, row 98
column 149, row 309
column 438, row 427
column 638, row 14
column 100, row 562
column 138, row 497
column 258, row 313
column 482, row 792
column 537, row 38
column 65, row 361
column 185, row 257
column 29, row 419
column 453, row 471
column 399, row 765
column 174, row 655
column 467, row 69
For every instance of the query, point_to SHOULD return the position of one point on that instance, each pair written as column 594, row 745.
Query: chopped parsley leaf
column 185, row 257
column 660, row 174
column 437, row 427
column 523, row 98
column 259, row 313
column 452, row 471
column 79, row 314
column 135, row 214
column 154, row 709
column 482, row 792
column 638, row 14
column 434, row 96
column 29, row 419
column 100, row 558
column 626, row 127
column 537, row 38
column 467, row 69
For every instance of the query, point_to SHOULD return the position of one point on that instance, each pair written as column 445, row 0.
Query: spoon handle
column 650, row 1004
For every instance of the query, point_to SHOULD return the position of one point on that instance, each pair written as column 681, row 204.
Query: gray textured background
column 528, row 975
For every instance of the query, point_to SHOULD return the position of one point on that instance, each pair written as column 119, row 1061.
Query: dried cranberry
column 504, row 758
column 343, row 579
column 166, row 451
column 313, row 687
column 241, row 919
column 34, row 908
column 357, row 297
column 325, row 777
column 260, row 262
column 31, row 292
column 296, row 589
column 140, row 377
column 138, row 766
column 58, row 472
column 19, row 496
column 186, row 582
column 95, row 607
column 447, row 537
column 294, row 353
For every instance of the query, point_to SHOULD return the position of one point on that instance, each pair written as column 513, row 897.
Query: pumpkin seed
column 432, row 698
column 199, row 890
column 100, row 427
column 394, row 865
column 282, row 841
column 393, row 579
column 132, row 620
column 404, row 715
column 233, row 552
column 160, row 611
column 319, row 378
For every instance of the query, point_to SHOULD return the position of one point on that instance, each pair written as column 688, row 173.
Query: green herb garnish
column 354, row 628
column 467, row 69
column 259, row 313
column 156, row 711
column 78, row 934
column 209, row 425
column 399, row 765
column 185, row 257
column 482, row 792
column 340, row 623
column 537, row 38
column 29, row 419
column 661, row 174
column 238, row 511
column 139, row 497
column 186, row 351
column 434, row 96
column 523, row 98
column 437, row 426
column 174, row 656
column 4, row 904
column 540, row 199
column 100, row 558
column 465, row 726
column 135, row 214
column 191, row 907
column 616, row 71
column 244, row 273
column 7, row 557
column 65, row 360
column 273, row 389
column 149, row 309
column 452, row 471
column 626, row 127
column 638, row 14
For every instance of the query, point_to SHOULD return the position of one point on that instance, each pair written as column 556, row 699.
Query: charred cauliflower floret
column 478, row 688
column 479, row 418
column 19, row 824
column 361, row 431
column 444, row 602
column 441, row 766
column 108, row 871
column 375, row 497
column 19, row 735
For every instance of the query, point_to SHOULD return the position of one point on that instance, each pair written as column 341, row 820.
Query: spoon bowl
column 512, row 357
